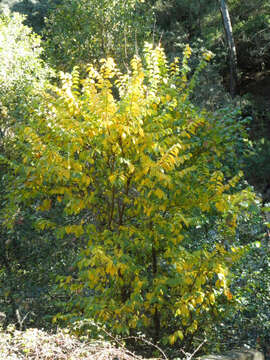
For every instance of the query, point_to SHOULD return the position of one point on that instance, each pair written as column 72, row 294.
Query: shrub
column 137, row 167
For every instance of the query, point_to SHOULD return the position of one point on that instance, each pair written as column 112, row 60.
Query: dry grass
column 36, row 344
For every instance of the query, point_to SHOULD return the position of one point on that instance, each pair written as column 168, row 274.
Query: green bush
column 28, row 259
column 80, row 31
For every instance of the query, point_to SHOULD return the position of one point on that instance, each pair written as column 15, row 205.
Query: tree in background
column 34, row 11
column 29, row 259
column 79, row 32
column 183, row 21
column 21, row 67
column 231, row 45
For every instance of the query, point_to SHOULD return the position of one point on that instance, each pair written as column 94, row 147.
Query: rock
column 242, row 354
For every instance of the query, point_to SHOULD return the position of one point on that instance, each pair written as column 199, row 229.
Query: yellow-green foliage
column 137, row 164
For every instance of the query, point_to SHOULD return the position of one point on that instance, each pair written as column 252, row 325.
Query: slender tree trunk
column 266, row 214
column 231, row 45
column 199, row 17
column 10, row 273
column 156, row 317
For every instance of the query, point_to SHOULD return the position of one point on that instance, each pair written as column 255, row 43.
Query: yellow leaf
column 68, row 229
column 193, row 327
column 228, row 294
column 46, row 205
column 212, row 298
column 200, row 298
column 65, row 173
column 111, row 269
column 112, row 178
column 180, row 334
column 162, row 207
column 172, row 339
column 160, row 194
column 178, row 312
column 220, row 206
column 184, row 310
column 91, row 276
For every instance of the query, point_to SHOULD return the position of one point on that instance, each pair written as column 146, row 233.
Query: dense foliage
column 29, row 260
column 122, row 199
column 80, row 31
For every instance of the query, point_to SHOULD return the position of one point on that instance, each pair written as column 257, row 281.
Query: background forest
column 135, row 172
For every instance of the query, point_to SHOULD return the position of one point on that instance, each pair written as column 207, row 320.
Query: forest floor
column 41, row 345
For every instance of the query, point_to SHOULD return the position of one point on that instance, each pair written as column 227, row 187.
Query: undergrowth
column 35, row 344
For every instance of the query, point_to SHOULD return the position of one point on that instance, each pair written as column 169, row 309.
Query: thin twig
column 190, row 356
column 148, row 343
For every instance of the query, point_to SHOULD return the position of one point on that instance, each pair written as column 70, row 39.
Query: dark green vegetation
column 121, row 194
